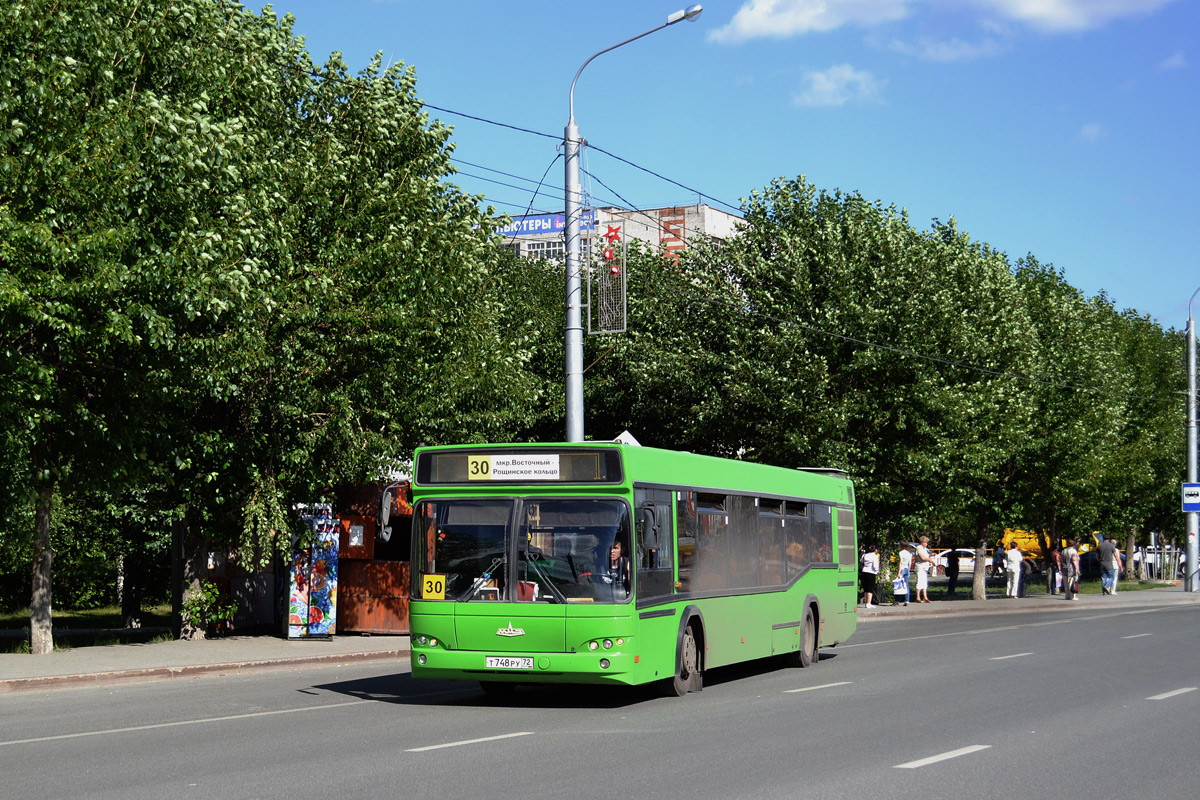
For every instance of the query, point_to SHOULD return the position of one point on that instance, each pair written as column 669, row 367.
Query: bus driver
column 615, row 569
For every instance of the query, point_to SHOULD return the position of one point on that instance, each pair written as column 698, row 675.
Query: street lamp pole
column 573, row 199
column 1192, row 583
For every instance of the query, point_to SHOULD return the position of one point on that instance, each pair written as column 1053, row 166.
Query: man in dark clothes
column 951, row 571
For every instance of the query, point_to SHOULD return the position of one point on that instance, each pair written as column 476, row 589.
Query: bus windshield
column 546, row 550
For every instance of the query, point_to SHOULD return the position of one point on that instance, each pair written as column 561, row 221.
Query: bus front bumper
column 593, row 666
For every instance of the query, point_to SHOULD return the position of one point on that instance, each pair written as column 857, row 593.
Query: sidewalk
column 108, row 664
column 1038, row 601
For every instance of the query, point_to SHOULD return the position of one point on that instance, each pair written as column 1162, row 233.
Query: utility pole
column 573, row 201
column 1192, row 580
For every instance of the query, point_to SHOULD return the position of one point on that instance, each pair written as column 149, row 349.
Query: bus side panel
column 839, row 613
column 742, row 628
column 654, row 643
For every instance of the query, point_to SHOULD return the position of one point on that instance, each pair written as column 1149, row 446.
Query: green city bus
column 609, row 563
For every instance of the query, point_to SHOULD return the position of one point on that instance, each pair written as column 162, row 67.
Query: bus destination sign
column 521, row 467
column 532, row 465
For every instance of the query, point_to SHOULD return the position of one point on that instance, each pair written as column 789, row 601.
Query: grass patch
column 94, row 627
column 106, row 618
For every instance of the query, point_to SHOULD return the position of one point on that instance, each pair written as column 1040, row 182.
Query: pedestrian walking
column 1106, row 553
column 1110, row 564
column 1070, row 570
column 1118, row 566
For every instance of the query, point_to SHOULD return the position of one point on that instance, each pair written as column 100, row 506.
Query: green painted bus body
column 634, row 641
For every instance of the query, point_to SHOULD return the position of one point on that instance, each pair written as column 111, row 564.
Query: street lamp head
column 691, row 12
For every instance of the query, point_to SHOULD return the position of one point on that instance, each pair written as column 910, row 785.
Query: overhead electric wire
column 493, row 180
column 655, row 223
column 491, row 122
column 425, row 104
column 735, row 209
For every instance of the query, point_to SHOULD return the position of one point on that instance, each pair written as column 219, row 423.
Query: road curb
column 17, row 685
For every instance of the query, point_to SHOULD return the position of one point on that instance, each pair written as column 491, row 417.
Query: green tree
column 227, row 278
column 123, row 223
column 832, row 332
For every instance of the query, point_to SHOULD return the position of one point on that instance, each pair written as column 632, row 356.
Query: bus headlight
column 604, row 663
column 593, row 646
column 607, row 644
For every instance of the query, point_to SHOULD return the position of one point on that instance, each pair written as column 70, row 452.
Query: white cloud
column 837, row 86
column 1092, row 132
column 1069, row 15
column 781, row 19
column 1177, row 61
column 948, row 50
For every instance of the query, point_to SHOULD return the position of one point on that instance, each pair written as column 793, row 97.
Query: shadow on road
column 403, row 689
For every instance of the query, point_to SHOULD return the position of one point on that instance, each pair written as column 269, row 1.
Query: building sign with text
column 541, row 224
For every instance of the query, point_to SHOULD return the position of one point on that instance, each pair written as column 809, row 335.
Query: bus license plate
column 508, row 662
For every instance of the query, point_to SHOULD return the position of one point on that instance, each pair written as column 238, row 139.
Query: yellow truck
column 1035, row 545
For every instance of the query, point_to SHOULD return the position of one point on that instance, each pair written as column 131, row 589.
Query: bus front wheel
column 687, row 665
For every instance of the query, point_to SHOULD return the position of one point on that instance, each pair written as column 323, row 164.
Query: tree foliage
column 962, row 391
column 231, row 278
column 227, row 272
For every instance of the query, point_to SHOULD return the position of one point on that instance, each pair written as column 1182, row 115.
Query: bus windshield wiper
column 478, row 582
column 558, row 596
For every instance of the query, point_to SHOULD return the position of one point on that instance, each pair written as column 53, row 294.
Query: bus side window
column 655, row 544
column 685, row 530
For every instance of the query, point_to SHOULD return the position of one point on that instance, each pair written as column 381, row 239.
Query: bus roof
column 556, row 463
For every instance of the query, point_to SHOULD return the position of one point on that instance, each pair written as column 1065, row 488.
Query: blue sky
column 1069, row 129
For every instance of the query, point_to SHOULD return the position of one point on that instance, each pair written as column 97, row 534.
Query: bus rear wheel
column 807, row 654
column 687, row 665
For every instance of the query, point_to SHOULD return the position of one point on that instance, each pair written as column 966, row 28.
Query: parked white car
column 966, row 561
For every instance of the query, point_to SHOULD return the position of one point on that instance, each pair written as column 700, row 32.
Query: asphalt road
column 1094, row 703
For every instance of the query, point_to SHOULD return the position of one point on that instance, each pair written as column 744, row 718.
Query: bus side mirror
column 648, row 526
column 384, row 533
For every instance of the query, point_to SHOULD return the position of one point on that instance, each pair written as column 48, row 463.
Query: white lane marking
column 468, row 741
column 1137, row 636
column 1165, row 695
column 962, row 751
column 1014, row 655
column 179, row 723
column 813, row 688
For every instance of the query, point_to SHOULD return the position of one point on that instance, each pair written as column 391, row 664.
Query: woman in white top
column 924, row 562
column 870, row 569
